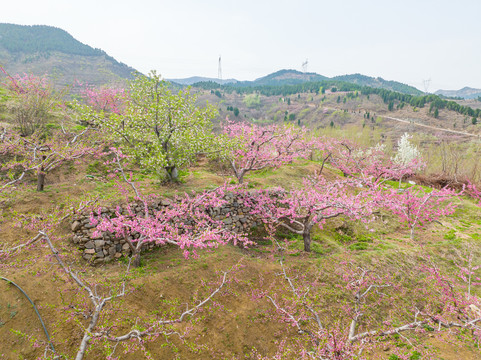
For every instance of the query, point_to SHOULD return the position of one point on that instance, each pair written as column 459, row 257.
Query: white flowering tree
column 407, row 152
column 407, row 156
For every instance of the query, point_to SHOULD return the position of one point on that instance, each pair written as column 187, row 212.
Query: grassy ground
column 237, row 321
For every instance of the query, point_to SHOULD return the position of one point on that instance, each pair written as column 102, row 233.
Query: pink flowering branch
column 186, row 222
column 317, row 201
column 474, row 191
column 452, row 307
column 259, row 147
column 35, row 101
column 36, row 155
column 467, row 269
column 416, row 208
column 107, row 100
column 302, row 311
column 371, row 164
column 443, row 306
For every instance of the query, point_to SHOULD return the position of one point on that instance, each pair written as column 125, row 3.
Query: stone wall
column 106, row 247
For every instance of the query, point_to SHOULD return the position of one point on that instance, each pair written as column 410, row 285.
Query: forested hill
column 378, row 83
column 41, row 49
column 42, row 38
column 288, row 77
column 391, row 98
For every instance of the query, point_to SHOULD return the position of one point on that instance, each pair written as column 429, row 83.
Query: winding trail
column 430, row 127
column 418, row 123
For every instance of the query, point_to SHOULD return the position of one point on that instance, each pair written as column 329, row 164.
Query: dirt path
column 431, row 127
column 412, row 122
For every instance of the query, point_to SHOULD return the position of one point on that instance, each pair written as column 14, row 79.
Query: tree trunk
column 240, row 178
column 41, row 176
column 136, row 262
column 40, row 179
column 172, row 173
column 306, row 236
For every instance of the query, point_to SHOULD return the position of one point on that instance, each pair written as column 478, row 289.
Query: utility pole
column 426, row 84
column 304, row 66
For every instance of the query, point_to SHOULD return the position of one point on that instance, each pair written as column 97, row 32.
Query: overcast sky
column 404, row 40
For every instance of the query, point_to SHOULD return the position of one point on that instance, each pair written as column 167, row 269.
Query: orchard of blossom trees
column 340, row 308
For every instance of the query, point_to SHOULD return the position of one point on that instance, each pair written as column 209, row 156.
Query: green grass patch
column 450, row 235
column 359, row 246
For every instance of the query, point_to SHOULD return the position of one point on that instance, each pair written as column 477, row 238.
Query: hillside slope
column 378, row 82
column 41, row 49
column 287, row 77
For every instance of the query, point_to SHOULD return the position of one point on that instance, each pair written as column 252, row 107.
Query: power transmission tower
column 426, row 84
column 304, row 66
column 219, row 74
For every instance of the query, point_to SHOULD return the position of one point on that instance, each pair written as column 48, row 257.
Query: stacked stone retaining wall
column 106, row 246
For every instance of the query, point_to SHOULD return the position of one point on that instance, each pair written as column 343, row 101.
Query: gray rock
column 87, row 257
column 99, row 243
column 76, row 225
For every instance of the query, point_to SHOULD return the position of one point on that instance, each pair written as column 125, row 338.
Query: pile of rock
column 103, row 247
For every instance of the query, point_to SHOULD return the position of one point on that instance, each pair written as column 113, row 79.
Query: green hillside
column 41, row 38
column 41, row 49
column 288, row 77
column 378, row 83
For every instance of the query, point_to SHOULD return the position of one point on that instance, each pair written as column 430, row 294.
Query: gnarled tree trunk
column 41, row 177
column 306, row 236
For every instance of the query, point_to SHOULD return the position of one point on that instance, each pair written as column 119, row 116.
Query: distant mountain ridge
column 195, row 79
column 465, row 93
column 288, row 77
column 41, row 49
column 294, row 77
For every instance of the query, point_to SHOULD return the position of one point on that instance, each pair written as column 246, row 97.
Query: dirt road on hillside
column 410, row 122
